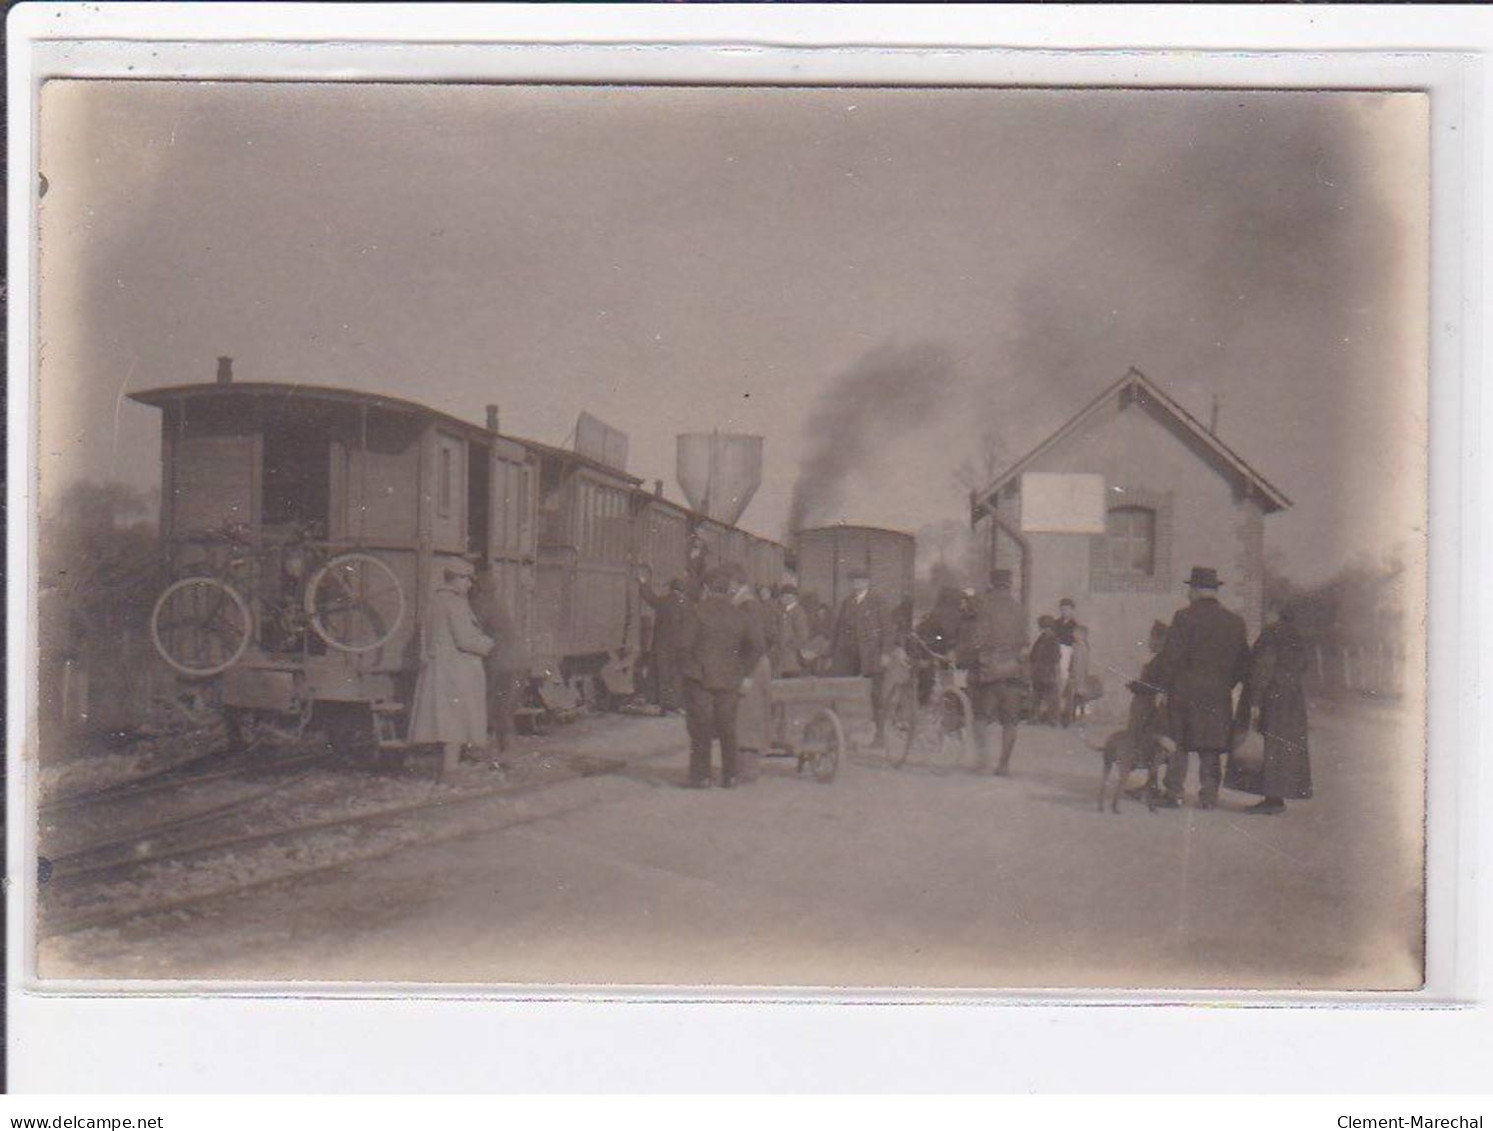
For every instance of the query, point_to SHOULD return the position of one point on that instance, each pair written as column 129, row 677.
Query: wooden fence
column 1363, row 669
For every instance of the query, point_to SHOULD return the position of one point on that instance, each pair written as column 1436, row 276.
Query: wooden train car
column 321, row 518
column 826, row 555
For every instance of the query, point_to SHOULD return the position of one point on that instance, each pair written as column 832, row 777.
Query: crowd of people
column 714, row 643
column 1183, row 703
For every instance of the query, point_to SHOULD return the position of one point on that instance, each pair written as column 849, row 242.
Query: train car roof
column 159, row 398
column 704, row 519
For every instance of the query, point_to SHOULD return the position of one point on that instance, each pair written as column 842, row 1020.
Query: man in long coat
column 1205, row 657
column 450, row 706
column 863, row 640
column 997, row 642
column 669, row 611
column 719, row 644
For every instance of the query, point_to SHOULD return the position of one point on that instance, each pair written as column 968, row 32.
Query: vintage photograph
column 849, row 538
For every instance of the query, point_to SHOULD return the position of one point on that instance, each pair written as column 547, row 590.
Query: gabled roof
column 1138, row 385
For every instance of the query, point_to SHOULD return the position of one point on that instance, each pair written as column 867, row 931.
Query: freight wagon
column 826, row 555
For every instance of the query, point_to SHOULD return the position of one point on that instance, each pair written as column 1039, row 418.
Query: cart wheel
column 824, row 740
column 201, row 626
column 902, row 716
column 355, row 602
column 955, row 731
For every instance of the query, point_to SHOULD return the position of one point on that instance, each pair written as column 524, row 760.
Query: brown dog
column 1121, row 751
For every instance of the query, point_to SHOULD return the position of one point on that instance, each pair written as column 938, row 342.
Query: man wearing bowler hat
column 1205, row 657
column 864, row 637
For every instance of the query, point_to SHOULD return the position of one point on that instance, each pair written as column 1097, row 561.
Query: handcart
column 809, row 716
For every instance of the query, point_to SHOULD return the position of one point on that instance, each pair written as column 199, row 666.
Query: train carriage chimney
column 492, row 418
column 225, row 370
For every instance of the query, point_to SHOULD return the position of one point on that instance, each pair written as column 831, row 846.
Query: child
column 1045, row 657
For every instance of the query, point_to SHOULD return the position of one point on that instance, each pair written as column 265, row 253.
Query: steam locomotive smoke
column 886, row 394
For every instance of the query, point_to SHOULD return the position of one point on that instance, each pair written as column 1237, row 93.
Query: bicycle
column 940, row 732
column 203, row 624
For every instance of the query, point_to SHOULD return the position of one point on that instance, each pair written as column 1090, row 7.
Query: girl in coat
column 450, row 706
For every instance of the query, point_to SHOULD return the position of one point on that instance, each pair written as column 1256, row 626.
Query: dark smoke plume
column 883, row 396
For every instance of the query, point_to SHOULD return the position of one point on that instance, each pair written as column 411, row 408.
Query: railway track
column 173, row 777
column 164, row 867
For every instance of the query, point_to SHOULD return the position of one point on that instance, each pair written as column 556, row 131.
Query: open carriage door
column 510, row 533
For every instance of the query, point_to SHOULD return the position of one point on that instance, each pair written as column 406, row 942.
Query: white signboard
column 1058, row 503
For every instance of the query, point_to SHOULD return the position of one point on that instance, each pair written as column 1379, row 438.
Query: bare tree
column 978, row 471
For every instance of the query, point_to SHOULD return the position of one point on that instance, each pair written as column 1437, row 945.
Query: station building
column 1114, row 508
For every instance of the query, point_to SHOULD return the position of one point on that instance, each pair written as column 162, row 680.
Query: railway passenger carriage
column 308, row 527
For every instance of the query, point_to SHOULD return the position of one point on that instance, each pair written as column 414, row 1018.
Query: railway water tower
column 719, row 472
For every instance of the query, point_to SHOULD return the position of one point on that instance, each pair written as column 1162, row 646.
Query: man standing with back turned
column 1205, row 657
column 997, row 644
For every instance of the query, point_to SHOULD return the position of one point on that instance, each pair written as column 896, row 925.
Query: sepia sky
column 685, row 259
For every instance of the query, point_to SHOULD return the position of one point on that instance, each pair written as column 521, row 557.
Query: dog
column 1124, row 752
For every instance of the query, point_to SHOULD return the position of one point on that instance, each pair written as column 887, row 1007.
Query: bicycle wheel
column 955, row 724
column 355, row 602
column 902, row 719
column 201, row 626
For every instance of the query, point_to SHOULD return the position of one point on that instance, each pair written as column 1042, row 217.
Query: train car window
column 520, row 508
column 297, row 474
column 479, row 497
column 443, row 495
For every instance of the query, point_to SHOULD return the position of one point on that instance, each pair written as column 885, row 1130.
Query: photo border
column 617, row 45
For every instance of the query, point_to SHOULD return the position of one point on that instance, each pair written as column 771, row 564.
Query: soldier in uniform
column 719, row 643
column 863, row 640
column 1205, row 657
column 996, row 642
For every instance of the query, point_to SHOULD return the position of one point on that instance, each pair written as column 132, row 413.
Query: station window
column 1130, row 538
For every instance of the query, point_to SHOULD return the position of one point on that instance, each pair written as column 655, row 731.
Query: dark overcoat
column 863, row 634
column 1277, row 663
column 997, row 638
column 719, row 644
column 670, row 611
column 1206, row 656
column 1045, row 659
column 792, row 639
